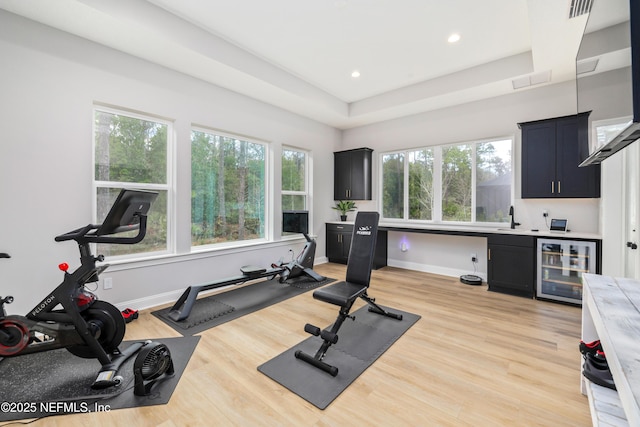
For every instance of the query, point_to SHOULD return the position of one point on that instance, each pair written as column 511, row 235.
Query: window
column 421, row 184
column 468, row 182
column 294, row 180
column 130, row 151
column 493, row 180
column 228, row 188
column 393, row 185
column 456, row 182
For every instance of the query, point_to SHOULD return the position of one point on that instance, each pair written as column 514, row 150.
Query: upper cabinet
column 352, row 174
column 552, row 149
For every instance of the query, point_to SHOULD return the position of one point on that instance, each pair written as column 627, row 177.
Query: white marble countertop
column 613, row 307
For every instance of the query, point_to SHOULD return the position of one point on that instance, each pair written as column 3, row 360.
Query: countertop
column 480, row 231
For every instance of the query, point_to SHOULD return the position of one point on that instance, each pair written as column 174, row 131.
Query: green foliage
column 293, row 173
column 345, row 206
column 131, row 150
column 393, row 185
column 227, row 189
column 492, row 190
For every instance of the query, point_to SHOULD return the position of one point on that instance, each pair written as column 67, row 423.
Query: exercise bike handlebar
column 87, row 234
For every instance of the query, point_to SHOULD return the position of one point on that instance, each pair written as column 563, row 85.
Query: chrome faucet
column 513, row 223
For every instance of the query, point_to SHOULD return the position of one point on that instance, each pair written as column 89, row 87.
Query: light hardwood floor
column 475, row 358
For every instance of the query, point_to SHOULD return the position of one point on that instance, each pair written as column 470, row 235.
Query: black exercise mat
column 360, row 343
column 57, row 382
column 220, row 308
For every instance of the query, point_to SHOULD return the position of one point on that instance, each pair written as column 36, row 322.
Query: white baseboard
column 434, row 269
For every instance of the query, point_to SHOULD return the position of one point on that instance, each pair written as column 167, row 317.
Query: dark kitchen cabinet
column 511, row 264
column 352, row 174
column 552, row 149
column 339, row 244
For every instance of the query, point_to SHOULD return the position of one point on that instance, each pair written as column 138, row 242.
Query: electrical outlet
column 474, row 257
column 107, row 283
column 545, row 213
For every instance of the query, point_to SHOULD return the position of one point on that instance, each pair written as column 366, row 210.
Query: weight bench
column 344, row 294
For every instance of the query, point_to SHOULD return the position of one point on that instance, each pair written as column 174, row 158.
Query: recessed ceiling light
column 355, row 74
column 453, row 38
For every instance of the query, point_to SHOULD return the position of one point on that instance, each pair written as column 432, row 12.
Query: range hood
column 629, row 48
column 630, row 134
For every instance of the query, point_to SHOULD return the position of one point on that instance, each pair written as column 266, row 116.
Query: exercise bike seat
column 341, row 294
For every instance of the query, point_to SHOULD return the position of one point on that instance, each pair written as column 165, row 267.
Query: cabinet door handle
column 489, row 257
column 559, row 191
column 553, row 187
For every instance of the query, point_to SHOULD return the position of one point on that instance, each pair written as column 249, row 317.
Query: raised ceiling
column 299, row 54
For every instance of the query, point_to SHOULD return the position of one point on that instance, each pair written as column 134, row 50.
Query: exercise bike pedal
column 329, row 336
column 311, row 329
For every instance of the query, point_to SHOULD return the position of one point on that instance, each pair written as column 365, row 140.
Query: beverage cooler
column 560, row 267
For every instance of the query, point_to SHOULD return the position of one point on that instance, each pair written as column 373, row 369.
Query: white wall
column 49, row 82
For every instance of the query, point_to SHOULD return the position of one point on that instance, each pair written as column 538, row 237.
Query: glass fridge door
column 560, row 267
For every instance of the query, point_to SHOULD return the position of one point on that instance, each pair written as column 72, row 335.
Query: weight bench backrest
column 363, row 246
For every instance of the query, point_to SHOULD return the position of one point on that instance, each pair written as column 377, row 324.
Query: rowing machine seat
column 345, row 293
column 252, row 270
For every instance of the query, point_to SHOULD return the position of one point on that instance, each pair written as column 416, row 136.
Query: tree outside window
column 468, row 182
column 294, row 179
column 227, row 189
column 393, row 185
column 421, row 184
column 130, row 151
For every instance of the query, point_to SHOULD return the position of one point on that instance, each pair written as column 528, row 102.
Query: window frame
column 168, row 186
column 437, row 183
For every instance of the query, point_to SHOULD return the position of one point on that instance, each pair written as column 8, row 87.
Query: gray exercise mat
column 56, row 382
column 220, row 308
column 360, row 343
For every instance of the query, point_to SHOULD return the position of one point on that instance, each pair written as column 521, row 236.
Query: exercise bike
column 72, row 317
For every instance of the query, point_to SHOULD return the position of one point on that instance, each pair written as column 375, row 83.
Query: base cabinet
column 511, row 265
column 339, row 244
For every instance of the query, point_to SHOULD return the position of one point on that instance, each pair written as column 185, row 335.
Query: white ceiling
column 299, row 54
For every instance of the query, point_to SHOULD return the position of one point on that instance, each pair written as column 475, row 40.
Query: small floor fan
column 153, row 362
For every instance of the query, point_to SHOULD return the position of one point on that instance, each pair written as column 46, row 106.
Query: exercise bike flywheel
column 14, row 336
column 108, row 326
